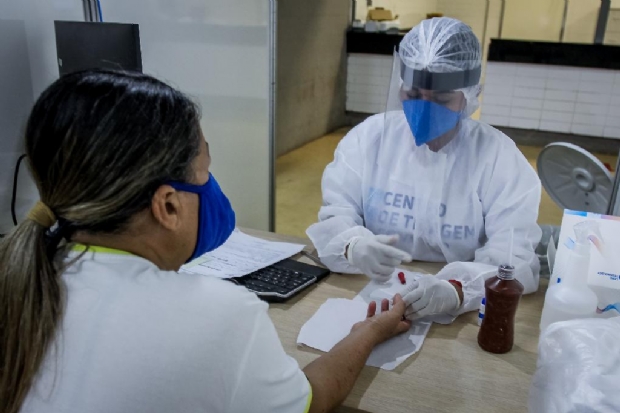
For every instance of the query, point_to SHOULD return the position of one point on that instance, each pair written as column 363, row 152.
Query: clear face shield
column 432, row 104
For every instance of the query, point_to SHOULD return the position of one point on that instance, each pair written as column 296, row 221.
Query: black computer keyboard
column 282, row 280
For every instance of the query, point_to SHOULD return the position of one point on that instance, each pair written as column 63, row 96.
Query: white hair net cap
column 444, row 45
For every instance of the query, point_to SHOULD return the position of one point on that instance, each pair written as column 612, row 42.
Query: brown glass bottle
column 503, row 293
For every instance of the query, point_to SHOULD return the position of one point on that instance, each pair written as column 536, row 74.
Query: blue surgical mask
column 428, row 120
column 216, row 218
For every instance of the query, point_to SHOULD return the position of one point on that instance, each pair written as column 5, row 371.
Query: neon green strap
column 97, row 248
column 309, row 399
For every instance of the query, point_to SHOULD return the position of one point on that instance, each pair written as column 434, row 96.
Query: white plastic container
column 572, row 298
column 604, row 276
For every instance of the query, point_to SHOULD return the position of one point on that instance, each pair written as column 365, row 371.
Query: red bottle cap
column 460, row 284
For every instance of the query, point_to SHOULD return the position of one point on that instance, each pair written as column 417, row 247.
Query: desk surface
column 449, row 374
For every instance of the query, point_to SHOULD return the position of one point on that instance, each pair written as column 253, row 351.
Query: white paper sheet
column 240, row 255
column 333, row 322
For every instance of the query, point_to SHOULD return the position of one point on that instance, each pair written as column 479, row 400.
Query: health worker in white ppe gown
column 423, row 181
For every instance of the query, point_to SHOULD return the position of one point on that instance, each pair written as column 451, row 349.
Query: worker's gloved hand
column 429, row 296
column 375, row 256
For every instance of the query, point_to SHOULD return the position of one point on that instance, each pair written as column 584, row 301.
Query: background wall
column 533, row 19
column 410, row 12
column 311, row 70
column 472, row 12
column 581, row 21
column 523, row 19
column 27, row 67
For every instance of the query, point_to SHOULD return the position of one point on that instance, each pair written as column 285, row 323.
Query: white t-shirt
column 137, row 339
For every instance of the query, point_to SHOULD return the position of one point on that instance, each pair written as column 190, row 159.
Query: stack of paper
column 240, row 255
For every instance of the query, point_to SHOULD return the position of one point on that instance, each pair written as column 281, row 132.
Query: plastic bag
column 548, row 232
column 578, row 368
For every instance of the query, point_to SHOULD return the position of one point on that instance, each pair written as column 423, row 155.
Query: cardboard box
column 379, row 14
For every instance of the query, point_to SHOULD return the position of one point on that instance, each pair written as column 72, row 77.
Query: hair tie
column 42, row 215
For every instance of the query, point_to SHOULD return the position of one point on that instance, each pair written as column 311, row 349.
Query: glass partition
column 219, row 53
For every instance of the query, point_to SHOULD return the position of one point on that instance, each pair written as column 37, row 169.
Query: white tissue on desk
column 333, row 322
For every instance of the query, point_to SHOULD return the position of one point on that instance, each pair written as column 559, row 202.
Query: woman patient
column 93, row 315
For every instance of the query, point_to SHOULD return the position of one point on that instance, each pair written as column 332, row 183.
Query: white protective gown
column 457, row 205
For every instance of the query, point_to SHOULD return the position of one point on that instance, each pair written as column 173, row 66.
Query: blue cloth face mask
column 428, row 120
column 216, row 218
